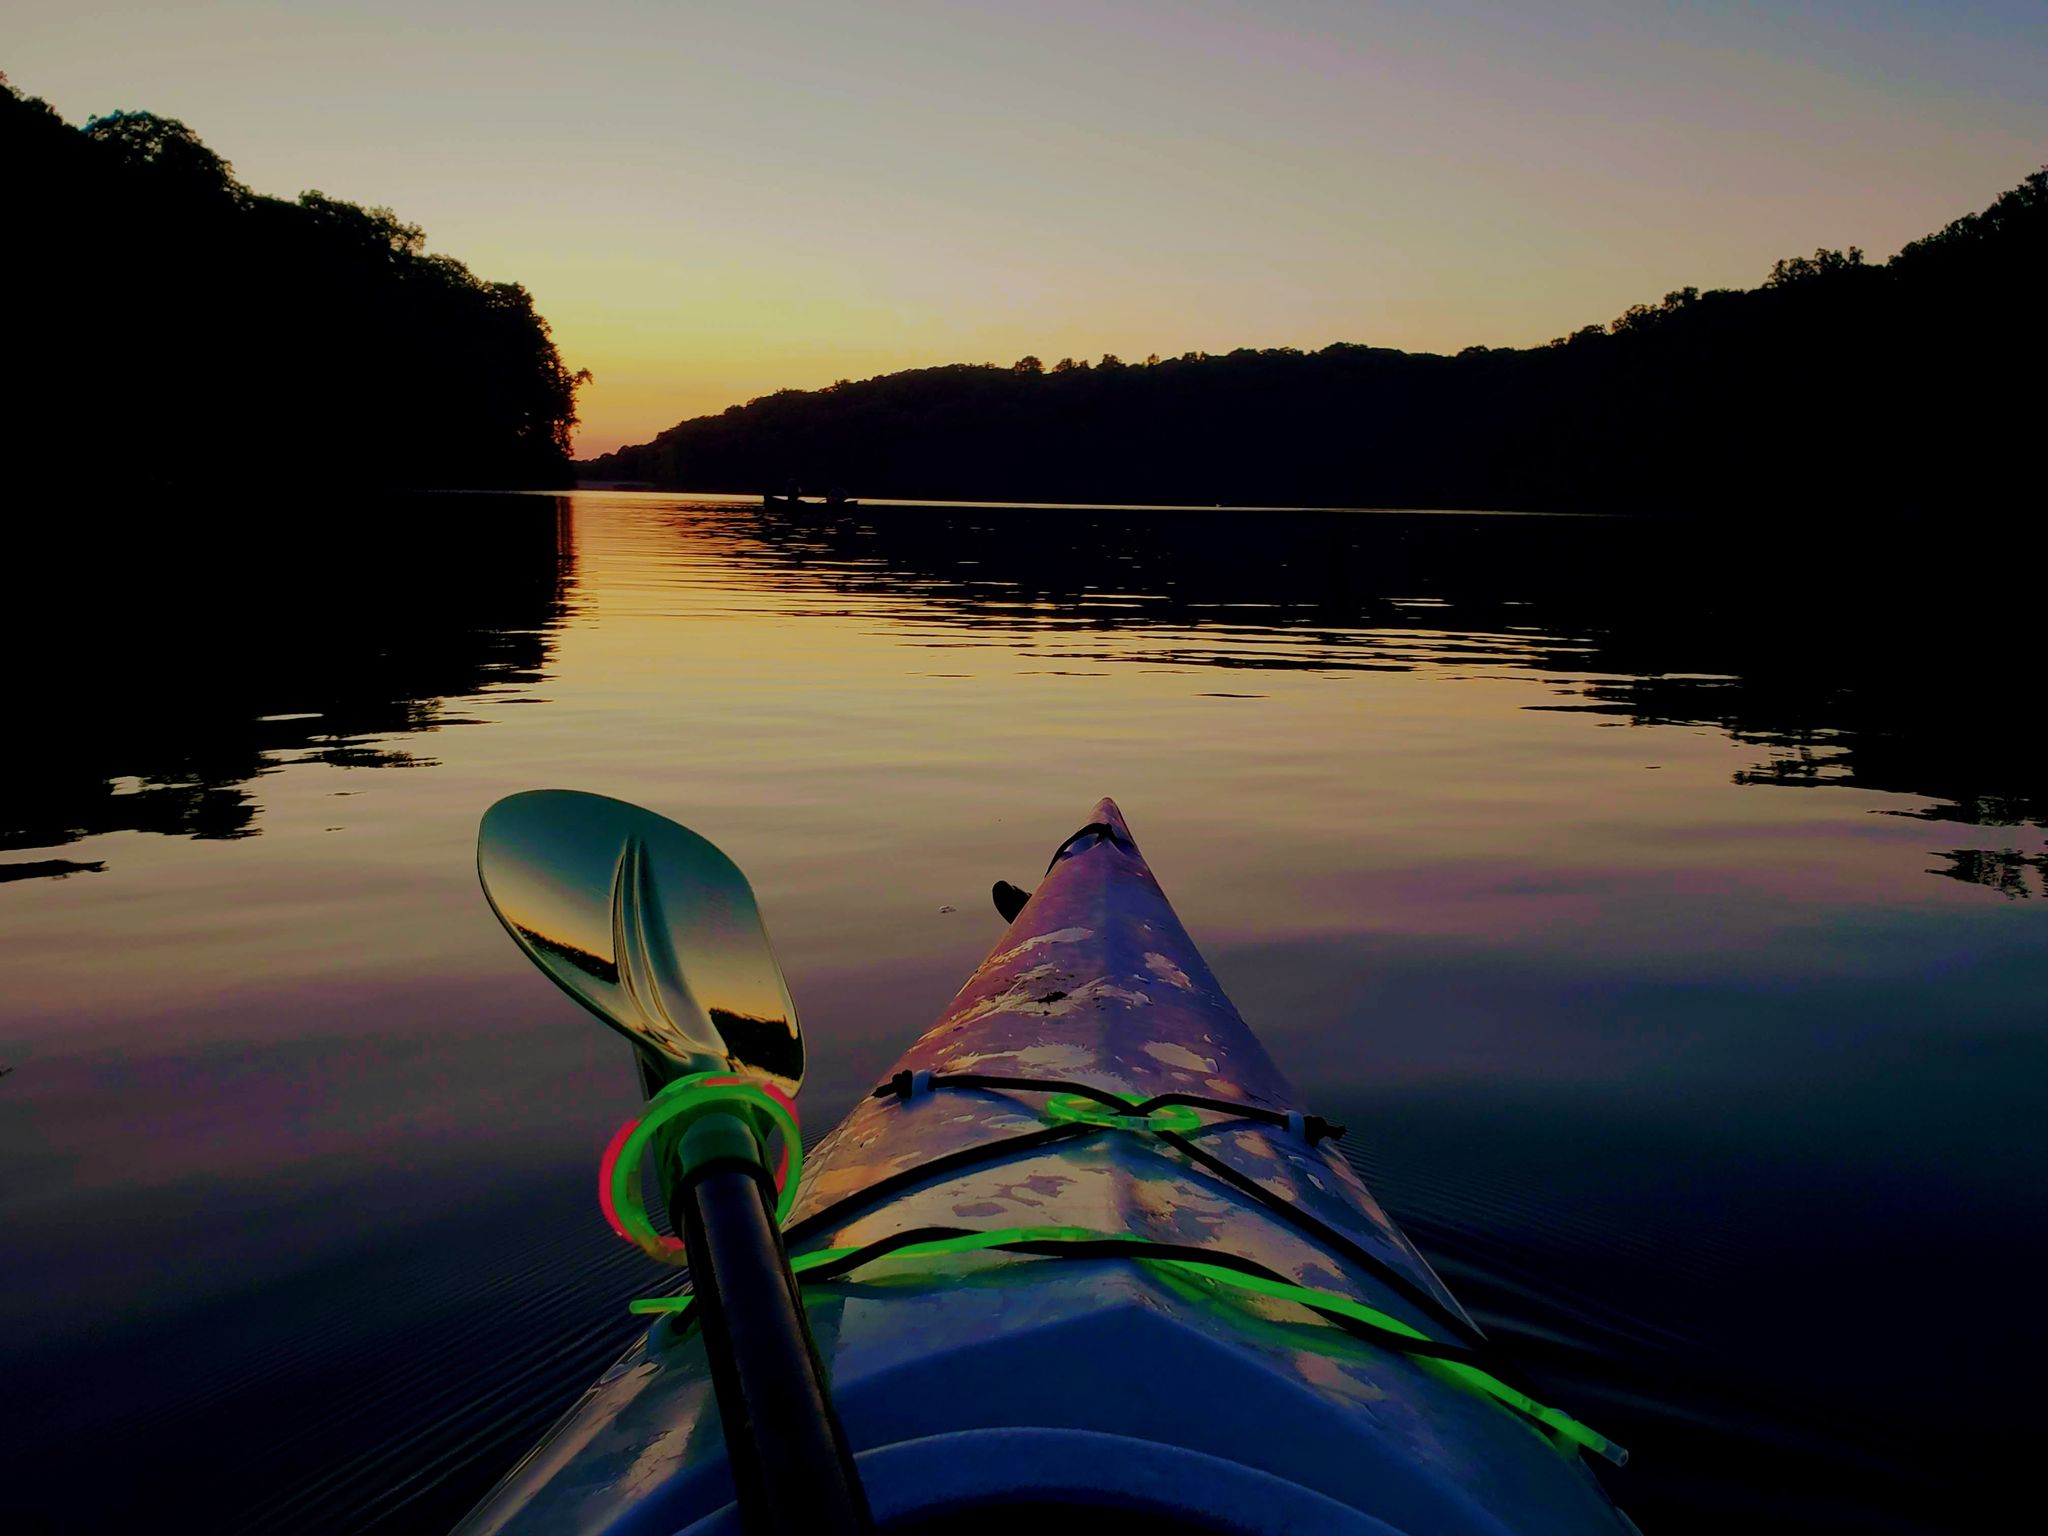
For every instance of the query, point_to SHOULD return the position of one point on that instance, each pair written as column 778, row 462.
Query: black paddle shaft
column 791, row 1466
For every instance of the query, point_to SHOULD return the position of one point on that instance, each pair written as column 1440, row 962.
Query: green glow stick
column 1281, row 1290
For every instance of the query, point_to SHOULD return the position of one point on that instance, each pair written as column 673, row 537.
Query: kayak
column 1086, row 1254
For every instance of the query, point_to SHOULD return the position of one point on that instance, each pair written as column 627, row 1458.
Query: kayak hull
column 974, row 1381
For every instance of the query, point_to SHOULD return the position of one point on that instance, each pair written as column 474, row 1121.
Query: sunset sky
column 710, row 201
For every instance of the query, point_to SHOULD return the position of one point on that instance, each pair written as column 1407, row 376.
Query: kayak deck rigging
column 1070, row 1242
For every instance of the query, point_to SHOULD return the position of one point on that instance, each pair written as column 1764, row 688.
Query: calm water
column 1663, row 912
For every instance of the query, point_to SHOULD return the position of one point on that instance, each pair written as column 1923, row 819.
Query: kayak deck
column 1098, row 983
column 970, row 1380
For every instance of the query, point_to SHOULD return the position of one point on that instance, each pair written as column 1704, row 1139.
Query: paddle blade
column 647, row 925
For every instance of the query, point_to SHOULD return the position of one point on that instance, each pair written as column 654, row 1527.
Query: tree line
column 1836, row 384
column 170, row 327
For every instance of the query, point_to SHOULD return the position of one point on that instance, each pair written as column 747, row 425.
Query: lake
column 1661, row 906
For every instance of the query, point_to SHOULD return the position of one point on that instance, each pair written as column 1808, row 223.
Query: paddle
column 655, row 931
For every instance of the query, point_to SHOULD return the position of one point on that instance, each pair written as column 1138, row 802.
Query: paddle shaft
column 792, row 1468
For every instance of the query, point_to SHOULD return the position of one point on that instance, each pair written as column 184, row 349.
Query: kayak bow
column 1087, row 1252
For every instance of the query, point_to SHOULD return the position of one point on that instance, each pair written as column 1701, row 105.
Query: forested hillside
column 170, row 327
column 1835, row 385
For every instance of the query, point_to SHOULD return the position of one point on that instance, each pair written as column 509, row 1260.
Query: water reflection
column 1824, row 650
column 2008, row 871
column 211, row 653
column 1693, row 1088
column 49, row 869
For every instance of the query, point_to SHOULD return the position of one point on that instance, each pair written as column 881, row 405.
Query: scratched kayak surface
column 972, row 1381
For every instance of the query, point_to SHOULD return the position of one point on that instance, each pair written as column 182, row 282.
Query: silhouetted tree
column 1821, row 264
column 165, row 148
column 183, row 329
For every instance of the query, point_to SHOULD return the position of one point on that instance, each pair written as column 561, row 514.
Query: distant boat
column 835, row 502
